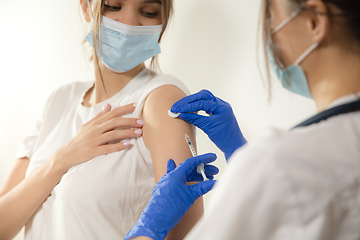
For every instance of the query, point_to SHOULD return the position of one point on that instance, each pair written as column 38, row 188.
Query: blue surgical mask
column 124, row 47
column 293, row 78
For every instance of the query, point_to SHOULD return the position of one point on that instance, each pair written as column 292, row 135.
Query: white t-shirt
column 299, row 184
column 101, row 198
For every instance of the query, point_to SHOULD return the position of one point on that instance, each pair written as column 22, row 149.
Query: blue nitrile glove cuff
column 147, row 228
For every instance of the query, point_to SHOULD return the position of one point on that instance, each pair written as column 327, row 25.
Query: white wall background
column 210, row 44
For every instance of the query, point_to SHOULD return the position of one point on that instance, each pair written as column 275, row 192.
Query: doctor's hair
column 167, row 12
column 350, row 13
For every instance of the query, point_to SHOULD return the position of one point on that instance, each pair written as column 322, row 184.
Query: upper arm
column 163, row 135
column 165, row 139
column 16, row 175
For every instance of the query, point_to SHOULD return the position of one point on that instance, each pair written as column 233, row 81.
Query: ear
column 85, row 10
column 319, row 22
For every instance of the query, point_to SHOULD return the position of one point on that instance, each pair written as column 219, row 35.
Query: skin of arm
column 165, row 139
column 20, row 197
column 15, row 212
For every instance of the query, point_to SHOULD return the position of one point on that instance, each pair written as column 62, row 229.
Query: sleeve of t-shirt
column 253, row 200
column 27, row 145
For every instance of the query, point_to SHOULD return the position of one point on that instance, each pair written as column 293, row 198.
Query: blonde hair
column 167, row 11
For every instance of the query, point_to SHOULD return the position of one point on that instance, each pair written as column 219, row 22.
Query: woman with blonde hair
column 88, row 168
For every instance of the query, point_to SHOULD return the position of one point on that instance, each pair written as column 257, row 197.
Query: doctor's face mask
column 349, row 12
column 293, row 77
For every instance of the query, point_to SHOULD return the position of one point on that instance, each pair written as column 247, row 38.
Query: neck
column 110, row 83
column 335, row 74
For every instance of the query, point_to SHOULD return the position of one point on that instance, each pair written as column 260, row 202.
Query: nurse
column 297, row 184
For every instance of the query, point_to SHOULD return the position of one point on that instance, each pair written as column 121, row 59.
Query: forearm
column 18, row 205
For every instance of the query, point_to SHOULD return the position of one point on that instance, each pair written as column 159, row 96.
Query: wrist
column 227, row 156
column 229, row 152
column 144, row 233
column 146, row 227
column 57, row 163
column 51, row 172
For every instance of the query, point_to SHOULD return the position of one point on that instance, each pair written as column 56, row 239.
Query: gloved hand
column 221, row 126
column 172, row 198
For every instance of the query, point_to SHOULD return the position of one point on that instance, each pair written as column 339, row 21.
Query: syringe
column 200, row 168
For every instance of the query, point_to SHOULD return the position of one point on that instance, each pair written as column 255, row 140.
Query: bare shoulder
column 162, row 98
column 155, row 112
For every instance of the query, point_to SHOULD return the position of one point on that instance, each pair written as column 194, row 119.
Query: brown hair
column 167, row 11
column 350, row 13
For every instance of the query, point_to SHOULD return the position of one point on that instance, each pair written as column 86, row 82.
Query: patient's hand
column 100, row 136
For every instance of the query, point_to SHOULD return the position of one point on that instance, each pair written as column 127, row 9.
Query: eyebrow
column 151, row 2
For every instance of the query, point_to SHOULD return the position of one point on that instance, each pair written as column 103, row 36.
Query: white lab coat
column 299, row 184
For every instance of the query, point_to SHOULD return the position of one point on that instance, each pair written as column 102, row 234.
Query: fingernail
column 140, row 122
column 138, row 131
column 126, row 143
column 135, row 104
column 105, row 106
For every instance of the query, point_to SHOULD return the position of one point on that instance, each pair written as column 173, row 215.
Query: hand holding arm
column 221, row 126
column 172, row 198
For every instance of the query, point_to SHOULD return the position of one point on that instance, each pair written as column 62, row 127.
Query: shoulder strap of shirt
column 332, row 112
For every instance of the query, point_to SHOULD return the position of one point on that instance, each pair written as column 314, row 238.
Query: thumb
column 106, row 109
column 170, row 166
column 202, row 188
column 195, row 119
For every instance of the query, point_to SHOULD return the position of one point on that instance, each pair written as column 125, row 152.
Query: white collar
column 344, row 100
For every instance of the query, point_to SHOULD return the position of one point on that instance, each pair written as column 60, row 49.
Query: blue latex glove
column 172, row 198
column 221, row 126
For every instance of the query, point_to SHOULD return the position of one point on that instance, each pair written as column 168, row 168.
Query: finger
column 170, row 166
column 195, row 119
column 111, row 148
column 209, row 106
column 120, row 134
column 184, row 169
column 211, row 170
column 188, row 104
column 119, row 122
column 202, row 188
column 105, row 110
column 195, row 177
column 116, row 112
